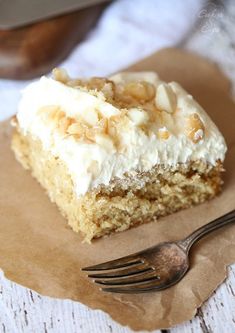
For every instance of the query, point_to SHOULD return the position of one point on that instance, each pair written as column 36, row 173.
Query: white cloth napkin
column 127, row 31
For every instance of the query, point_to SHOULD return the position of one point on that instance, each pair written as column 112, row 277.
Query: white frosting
column 92, row 164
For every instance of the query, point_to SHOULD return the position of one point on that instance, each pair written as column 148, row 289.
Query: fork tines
column 125, row 275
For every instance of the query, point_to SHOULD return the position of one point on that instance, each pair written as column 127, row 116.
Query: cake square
column 116, row 152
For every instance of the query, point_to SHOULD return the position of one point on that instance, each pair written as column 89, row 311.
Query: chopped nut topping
column 103, row 124
column 142, row 91
column 60, row 74
column 122, row 94
column 77, row 128
column 90, row 117
column 163, row 133
column 138, row 117
column 58, row 116
column 75, row 83
column 121, row 77
column 51, row 113
column 64, row 124
column 100, row 84
column 97, row 83
column 90, row 133
column 195, row 128
column 165, row 99
column 137, row 101
column 198, row 135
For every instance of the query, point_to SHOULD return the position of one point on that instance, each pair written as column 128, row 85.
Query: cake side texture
column 125, row 202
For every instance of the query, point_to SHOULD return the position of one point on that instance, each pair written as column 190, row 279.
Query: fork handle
column 206, row 229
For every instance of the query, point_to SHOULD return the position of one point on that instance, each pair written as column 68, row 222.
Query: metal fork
column 155, row 268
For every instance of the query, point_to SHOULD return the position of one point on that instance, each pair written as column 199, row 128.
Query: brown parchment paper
column 39, row 251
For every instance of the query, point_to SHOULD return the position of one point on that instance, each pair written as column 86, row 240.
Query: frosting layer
column 128, row 123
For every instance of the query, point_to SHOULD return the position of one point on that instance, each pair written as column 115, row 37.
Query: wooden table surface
column 25, row 311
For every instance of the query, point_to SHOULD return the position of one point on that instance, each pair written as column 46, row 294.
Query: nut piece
column 101, row 84
column 195, row 128
column 123, row 77
column 58, row 116
column 138, row 117
column 90, row 117
column 97, row 83
column 90, row 134
column 75, row 83
column 51, row 113
column 165, row 99
column 103, row 125
column 105, row 141
column 77, row 129
column 141, row 91
column 163, row 133
column 61, row 75
column 64, row 123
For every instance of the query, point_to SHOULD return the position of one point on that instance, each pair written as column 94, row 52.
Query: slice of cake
column 114, row 153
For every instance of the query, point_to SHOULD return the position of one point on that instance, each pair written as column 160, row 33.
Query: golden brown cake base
column 125, row 202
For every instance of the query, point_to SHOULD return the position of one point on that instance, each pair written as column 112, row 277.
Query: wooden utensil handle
column 34, row 50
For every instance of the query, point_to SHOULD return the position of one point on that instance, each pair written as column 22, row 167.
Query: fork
column 155, row 268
